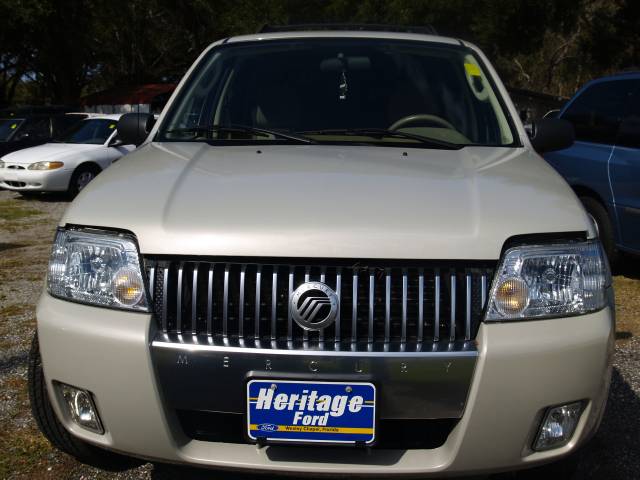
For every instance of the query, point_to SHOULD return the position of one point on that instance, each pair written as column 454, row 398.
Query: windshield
column 94, row 131
column 9, row 126
column 340, row 91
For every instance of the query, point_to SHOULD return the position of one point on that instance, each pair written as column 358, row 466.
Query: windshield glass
column 340, row 91
column 8, row 127
column 94, row 131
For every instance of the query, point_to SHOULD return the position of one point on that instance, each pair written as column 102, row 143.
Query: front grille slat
column 210, row 301
column 274, row 302
column 372, row 299
column 354, row 309
column 243, row 272
column 436, row 323
column 403, row 332
column 467, row 323
column 339, row 293
column 483, row 289
column 152, row 282
column 421, row 306
column 452, row 326
column 225, row 304
column 194, row 299
column 289, row 315
column 389, row 307
column 179, row 301
column 256, row 330
column 165, row 299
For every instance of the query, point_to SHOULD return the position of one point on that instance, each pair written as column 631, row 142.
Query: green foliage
column 55, row 51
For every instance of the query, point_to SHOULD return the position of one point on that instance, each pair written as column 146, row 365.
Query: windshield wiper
column 381, row 132
column 207, row 129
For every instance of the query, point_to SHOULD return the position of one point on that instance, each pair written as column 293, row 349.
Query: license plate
column 311, row 412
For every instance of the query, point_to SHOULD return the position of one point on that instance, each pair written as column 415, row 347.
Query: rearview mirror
column 550, row 134
column 133, row 128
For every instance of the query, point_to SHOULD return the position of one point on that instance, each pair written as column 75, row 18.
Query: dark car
column 603, row 165
column 27, row 128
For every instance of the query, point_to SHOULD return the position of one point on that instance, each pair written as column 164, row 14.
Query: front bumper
column 521, row 368
column 35, row 180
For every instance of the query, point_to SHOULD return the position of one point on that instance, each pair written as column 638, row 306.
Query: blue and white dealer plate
column 304, row 412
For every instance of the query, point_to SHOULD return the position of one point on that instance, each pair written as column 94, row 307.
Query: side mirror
column 550, row 134
column 116, row 142
column 133, row 128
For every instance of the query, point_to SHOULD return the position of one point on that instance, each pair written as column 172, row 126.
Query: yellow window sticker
column 112, row 126
column 472, row 69
column 13, row 127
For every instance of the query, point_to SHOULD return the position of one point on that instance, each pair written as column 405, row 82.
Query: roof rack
column 361, row 27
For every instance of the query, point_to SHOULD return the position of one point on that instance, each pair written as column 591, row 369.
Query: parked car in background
column 603, row 165
column 26, row 128
column 67, row 164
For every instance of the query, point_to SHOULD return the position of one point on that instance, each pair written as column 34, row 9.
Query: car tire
column 54, row 431
column 81, row 178
column 605, row 227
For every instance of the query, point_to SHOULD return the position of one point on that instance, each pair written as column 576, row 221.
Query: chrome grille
column 383, row 305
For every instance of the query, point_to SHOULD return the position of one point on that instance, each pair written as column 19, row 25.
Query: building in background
column 148, row 98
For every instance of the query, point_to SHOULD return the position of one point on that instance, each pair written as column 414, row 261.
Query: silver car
column 335, row 252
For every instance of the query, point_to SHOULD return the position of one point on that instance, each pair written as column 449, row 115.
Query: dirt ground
column 26, row 230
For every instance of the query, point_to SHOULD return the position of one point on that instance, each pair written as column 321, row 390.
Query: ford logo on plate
column 267, row 427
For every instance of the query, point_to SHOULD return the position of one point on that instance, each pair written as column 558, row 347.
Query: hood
column 328, row 201
column 48, row 152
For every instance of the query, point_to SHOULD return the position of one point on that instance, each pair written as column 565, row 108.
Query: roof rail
column 361, row 27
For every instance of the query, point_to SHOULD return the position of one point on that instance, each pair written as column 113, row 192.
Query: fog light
column 81, row 408
column 558, row 426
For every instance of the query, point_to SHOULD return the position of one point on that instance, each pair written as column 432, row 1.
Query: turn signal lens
column 127, row 286
column 46, row 165
column 512, row 296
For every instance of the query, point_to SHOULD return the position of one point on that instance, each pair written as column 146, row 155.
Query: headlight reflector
column 98, row 268
column 549, row 280
column 45, row 165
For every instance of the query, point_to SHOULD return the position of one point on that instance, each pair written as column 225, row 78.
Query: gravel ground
column 26, row 231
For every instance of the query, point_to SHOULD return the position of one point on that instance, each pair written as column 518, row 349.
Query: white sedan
column 69, row 163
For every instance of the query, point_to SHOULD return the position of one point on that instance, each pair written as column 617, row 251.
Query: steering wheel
column 421, row 117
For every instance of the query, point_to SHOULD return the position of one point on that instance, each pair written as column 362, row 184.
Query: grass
column 11, row 211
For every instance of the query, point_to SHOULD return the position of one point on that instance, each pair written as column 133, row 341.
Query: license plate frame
column 338, row 419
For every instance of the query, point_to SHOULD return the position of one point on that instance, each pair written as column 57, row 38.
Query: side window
column 597, row 112
column 62, row 123
column 630, row 131
column 38, row 128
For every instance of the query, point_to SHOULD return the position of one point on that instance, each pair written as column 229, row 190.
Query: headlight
column 549, row 281
column 1, row 164
column 98, row 268
column 45, row 165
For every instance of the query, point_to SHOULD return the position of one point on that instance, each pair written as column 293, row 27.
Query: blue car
column 603, row 165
